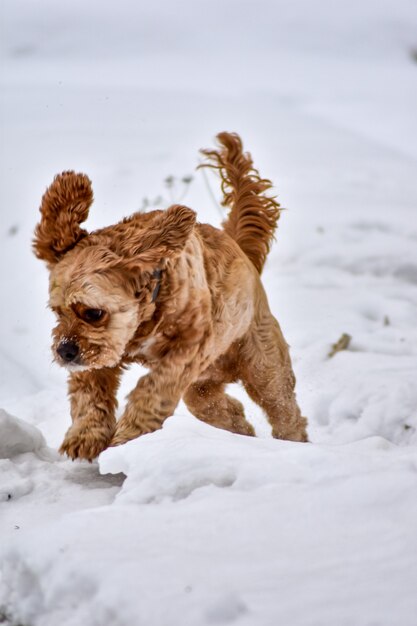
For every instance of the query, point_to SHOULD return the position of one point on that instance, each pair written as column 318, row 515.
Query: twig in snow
column 341, row 344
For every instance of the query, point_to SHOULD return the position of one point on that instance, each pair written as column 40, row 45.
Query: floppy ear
column 63, row 208
column 163, row 237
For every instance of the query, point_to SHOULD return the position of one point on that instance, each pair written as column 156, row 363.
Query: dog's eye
column 92, row 315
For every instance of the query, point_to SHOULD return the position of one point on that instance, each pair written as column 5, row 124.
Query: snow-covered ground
column 191, row 525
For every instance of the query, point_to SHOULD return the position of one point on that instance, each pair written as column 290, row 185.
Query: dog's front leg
column 154, row 398
column 93, row 403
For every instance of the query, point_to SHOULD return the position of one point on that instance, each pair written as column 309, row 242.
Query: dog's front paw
column 126, row 432
column 86, row 442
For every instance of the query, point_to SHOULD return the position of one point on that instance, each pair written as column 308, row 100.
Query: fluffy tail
column 253, row 216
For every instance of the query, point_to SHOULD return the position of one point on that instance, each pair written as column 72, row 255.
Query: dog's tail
column 253, row 215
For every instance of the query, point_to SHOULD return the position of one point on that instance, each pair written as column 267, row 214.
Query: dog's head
column 102, row 284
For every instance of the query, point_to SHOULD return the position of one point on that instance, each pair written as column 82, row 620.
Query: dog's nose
column 68, row 351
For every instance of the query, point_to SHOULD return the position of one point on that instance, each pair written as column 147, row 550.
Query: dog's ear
column 162, row 238
column 63, row 208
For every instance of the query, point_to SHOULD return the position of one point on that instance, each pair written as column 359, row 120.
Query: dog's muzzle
column 68, row 351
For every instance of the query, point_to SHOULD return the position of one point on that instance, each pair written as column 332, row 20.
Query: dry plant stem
column 341, row 344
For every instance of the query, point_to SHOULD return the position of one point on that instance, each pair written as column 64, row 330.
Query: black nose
column 67, row 350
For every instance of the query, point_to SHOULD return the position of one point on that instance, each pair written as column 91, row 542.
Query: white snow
column 192, row 525
column 18, row 436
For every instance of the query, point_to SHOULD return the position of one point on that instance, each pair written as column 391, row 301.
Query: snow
column 210, row 527
column 18, row 436
column 191, row 525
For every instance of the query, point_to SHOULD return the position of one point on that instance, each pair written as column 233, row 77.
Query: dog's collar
column 157, row 274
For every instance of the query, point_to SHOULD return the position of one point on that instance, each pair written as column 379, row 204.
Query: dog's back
column 253, row 215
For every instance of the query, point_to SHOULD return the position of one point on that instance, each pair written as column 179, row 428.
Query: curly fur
column 209, row 324
column 64, row 207
column 253, row 215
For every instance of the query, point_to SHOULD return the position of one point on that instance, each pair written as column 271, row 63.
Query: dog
column 182, row 298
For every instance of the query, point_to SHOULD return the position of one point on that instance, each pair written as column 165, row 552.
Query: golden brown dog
column 184, row 299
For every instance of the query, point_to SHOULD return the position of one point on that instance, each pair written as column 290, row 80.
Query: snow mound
column 16, row 436
column 215, row 528
column 187, row 455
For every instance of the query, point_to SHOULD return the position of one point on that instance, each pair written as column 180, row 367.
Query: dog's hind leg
column 209, row 402
column 266, row 373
